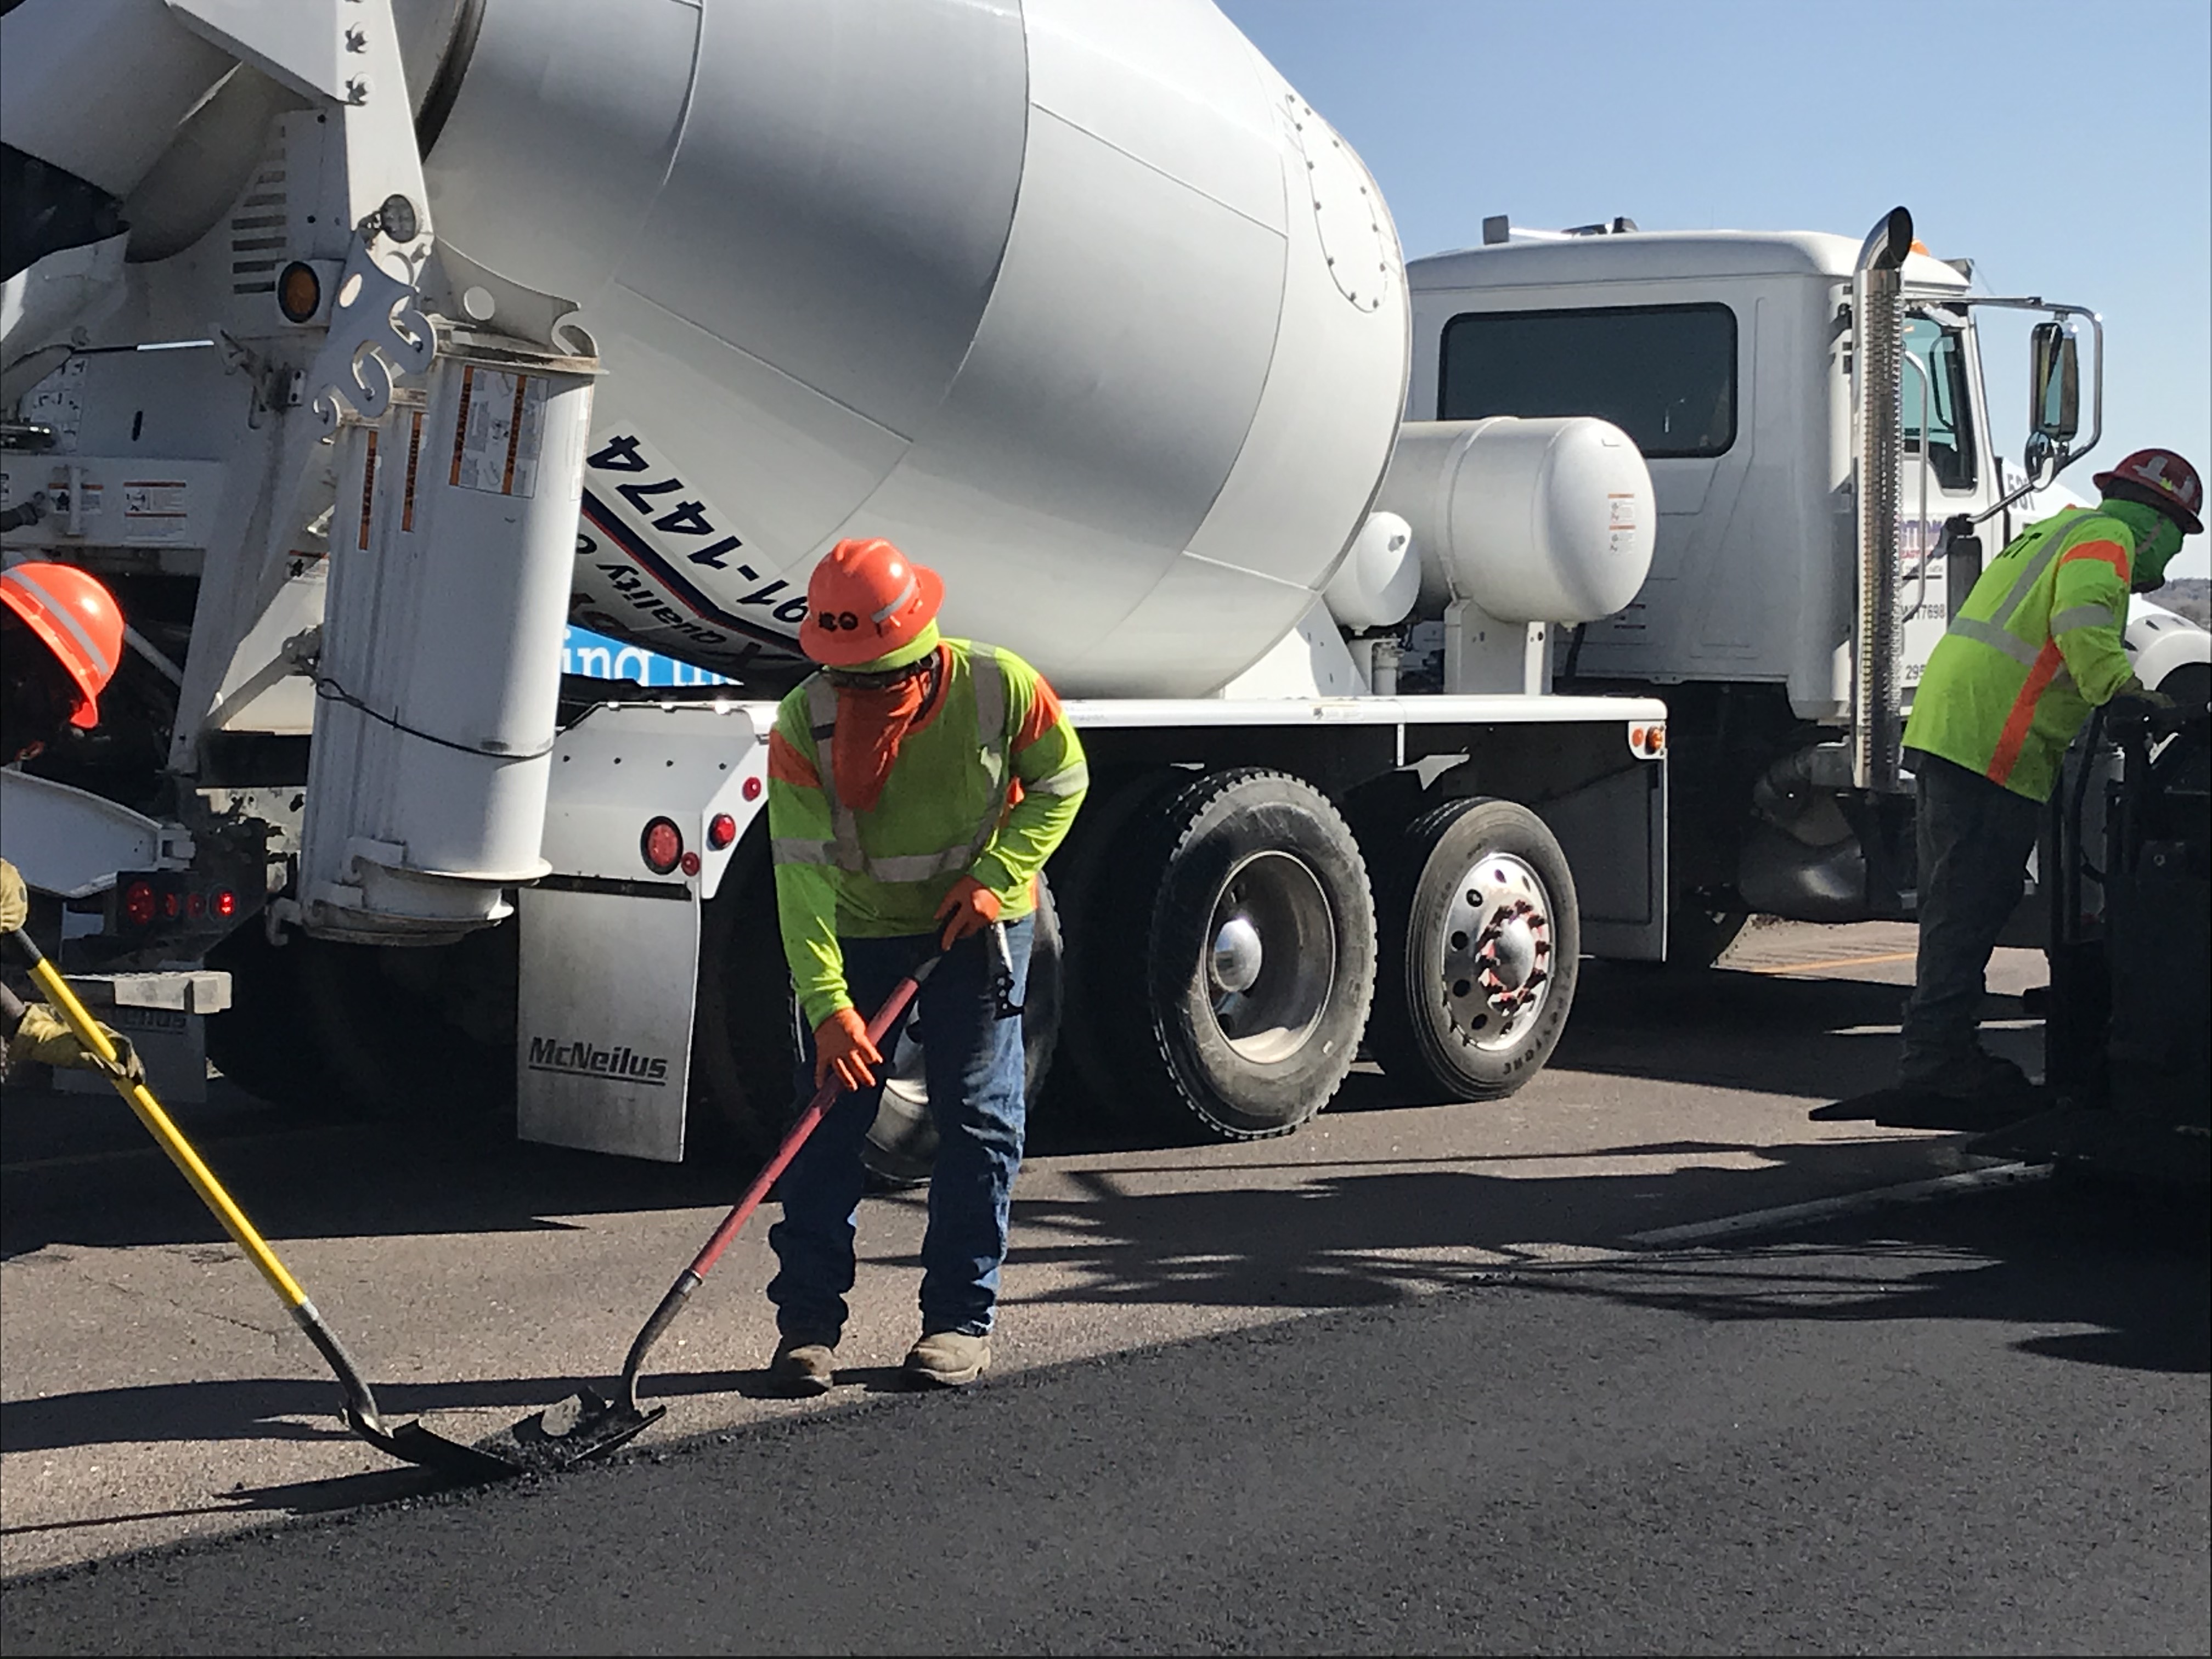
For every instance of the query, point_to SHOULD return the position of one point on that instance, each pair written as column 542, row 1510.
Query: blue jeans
column 973, row 1060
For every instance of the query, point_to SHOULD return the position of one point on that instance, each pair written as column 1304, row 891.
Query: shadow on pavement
column 1820, row 1039
column 350, row 1492
column 110, row 1187
column 2092, row 1274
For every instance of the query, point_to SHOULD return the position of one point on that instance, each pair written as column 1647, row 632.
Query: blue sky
column 2067, row 151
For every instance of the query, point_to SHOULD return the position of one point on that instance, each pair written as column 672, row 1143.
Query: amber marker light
column 299, row 292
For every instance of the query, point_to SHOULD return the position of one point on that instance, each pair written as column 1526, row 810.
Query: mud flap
column 609, row 981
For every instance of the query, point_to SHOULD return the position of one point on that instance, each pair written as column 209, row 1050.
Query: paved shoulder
column 1984, row 1432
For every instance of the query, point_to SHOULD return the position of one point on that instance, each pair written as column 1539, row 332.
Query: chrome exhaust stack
column 1878, row 314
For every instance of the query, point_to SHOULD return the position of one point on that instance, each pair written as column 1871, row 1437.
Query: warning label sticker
column 500, row 432
column 155, row 498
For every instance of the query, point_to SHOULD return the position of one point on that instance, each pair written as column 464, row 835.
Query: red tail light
column 226, row 902
column 721, row 830
column 661, row 845
column 138, row 903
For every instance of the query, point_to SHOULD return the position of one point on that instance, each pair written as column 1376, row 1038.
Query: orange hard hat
column 79, row 621
column 864, row 600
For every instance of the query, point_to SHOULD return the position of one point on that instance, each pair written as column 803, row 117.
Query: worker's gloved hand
column 15, row 899
column 2136, row 698
column 969, row 907
column 2136, row 711
column 45, row 1038
column 842, row 1045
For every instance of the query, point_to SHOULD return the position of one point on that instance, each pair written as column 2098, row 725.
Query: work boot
column 1978, row 1076
column 804, row 1365
column 1990, row 1078
column 947, row 1359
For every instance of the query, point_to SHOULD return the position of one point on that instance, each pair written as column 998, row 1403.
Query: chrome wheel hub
column 1237, row 954
column 1271, row 962
column 1495, row 967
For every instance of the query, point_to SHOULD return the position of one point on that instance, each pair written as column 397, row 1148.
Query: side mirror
column 2055, row 377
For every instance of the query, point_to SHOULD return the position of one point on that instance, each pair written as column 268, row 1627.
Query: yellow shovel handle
column 140, row 1100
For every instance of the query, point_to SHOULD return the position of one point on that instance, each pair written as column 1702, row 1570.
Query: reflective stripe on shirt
column 2082, row 615
column 1989, row 634
column 1068, row 780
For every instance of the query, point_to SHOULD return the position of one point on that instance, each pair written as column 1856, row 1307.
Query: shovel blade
column 411, row 1443
column 585, row 1425
column 433, row 1451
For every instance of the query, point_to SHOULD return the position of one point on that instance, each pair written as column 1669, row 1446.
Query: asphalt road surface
column 1416, row 1378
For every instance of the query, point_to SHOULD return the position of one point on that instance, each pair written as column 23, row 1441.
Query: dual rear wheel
column 1222, row 955
column 1231, row 942
column 1479, row 964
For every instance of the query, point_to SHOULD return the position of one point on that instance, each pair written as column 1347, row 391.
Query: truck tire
column 413, row 1033
column 261, row 1043
column 1237, row 954
column 1480, row 938
column 1080, row 1105
column 901, row 1146
column 745, row 1037
column 369, row 1031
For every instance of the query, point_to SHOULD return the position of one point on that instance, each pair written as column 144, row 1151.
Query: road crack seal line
column 275, row 1333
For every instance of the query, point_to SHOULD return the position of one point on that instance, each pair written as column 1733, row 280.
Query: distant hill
column 2191, row 595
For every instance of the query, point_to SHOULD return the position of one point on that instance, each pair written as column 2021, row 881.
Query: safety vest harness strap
column 844, row 828
column 843, row 849
column 2046, row 666
column 990, row 714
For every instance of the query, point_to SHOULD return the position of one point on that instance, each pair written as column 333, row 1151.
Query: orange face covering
column 872, row 723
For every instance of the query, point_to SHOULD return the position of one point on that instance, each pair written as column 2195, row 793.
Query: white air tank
column 1547, row 520
column 1079, row 303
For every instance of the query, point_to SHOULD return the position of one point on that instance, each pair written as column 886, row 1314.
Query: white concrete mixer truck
column 360, row 344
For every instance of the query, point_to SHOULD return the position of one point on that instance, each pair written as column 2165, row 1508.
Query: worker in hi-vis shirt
column 916, row 787
column 2036, row 647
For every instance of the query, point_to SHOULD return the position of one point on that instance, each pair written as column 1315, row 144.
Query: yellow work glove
column 842, row 1045
column 15, row 899
column 969, row 907
column 45, row 1038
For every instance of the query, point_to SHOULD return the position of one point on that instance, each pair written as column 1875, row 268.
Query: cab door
column 1946, row 470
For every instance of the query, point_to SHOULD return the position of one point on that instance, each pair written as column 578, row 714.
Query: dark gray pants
column 1975, row 837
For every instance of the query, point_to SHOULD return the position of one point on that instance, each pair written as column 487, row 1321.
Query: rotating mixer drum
column 1081, row 304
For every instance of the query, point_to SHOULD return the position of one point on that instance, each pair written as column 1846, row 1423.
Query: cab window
column 1936, row 420
column 1666, row 376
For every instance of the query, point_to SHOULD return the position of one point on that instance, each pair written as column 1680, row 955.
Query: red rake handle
column 795, row 1137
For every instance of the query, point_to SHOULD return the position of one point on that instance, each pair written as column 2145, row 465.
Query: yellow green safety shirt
column 985, row 784
column 2035, row 648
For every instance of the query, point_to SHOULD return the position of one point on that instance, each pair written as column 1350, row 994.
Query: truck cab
column 1725, row 355
column 1728, row 357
